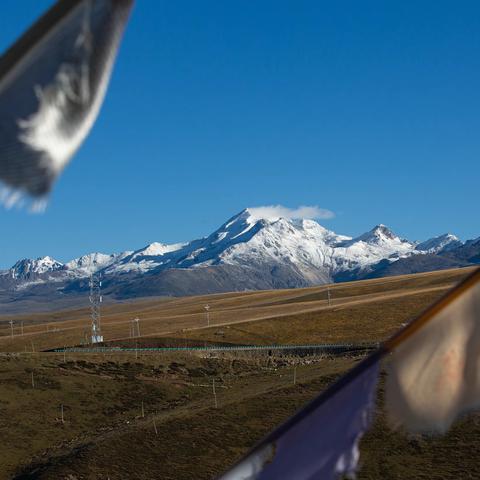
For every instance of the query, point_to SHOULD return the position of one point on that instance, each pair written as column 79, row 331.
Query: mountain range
column 248, row 252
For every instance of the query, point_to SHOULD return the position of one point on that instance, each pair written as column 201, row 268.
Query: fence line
column 320, row 348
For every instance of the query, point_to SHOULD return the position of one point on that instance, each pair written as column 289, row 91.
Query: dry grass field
column 154, row 415
column 360, row 311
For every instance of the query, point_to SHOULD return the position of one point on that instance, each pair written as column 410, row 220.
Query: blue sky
column 369, row 109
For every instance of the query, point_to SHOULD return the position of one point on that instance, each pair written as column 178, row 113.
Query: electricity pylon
column 95, row 301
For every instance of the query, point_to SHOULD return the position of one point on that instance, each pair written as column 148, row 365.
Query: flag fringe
column 17, row 198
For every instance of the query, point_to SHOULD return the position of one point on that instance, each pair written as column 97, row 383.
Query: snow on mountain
column 318, row 253
column 442, row 243
column 370, row 248
column 378, row 235
column 147, row 258
column 28, row 268
column 255, row 239
column 248, row 239
column 92, row 263
column 156, row 248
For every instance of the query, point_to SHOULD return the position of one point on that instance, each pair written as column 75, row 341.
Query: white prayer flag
column 435, row 371
column 52, row 83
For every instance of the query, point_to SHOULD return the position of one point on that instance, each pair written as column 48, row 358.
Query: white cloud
column 272, row 212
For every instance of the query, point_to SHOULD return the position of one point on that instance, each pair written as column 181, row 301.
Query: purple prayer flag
column 322, row 440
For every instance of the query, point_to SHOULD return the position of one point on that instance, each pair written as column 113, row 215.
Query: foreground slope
column 141, row 416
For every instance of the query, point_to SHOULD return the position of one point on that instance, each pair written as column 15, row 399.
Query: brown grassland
column 140, row 415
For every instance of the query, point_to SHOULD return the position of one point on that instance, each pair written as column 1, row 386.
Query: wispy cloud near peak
column 272, row 212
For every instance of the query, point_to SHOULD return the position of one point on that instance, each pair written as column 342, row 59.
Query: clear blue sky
column 370, row 109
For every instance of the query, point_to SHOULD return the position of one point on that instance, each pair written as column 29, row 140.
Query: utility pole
column 95, row 301
column 11, row 328
column 137, row 321
column 214, row 394
column 135, row 328
column 207, row 311
column 329, row 296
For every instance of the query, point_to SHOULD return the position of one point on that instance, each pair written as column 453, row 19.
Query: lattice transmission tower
column 95, row 302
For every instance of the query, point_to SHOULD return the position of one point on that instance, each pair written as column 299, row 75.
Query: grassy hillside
column 379, row 306
column 144, row 416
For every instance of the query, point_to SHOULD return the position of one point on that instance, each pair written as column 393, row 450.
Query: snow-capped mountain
column 88, row 264
column 318, row 253
column 378, row 244
column 443, row 243
column 248, row 240
column 26, row 269
column 143, row 260
column 249, row 251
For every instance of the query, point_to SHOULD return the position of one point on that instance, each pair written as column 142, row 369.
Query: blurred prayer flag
column 52, row 84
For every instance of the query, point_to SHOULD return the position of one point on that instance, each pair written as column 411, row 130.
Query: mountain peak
column 27, row 267
column 91, row 262
column 245, row 216
column 251, row 216
column 442, row 243
column 378, row 234
column 382, row 229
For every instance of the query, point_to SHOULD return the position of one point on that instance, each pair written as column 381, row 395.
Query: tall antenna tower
column 95, row 301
